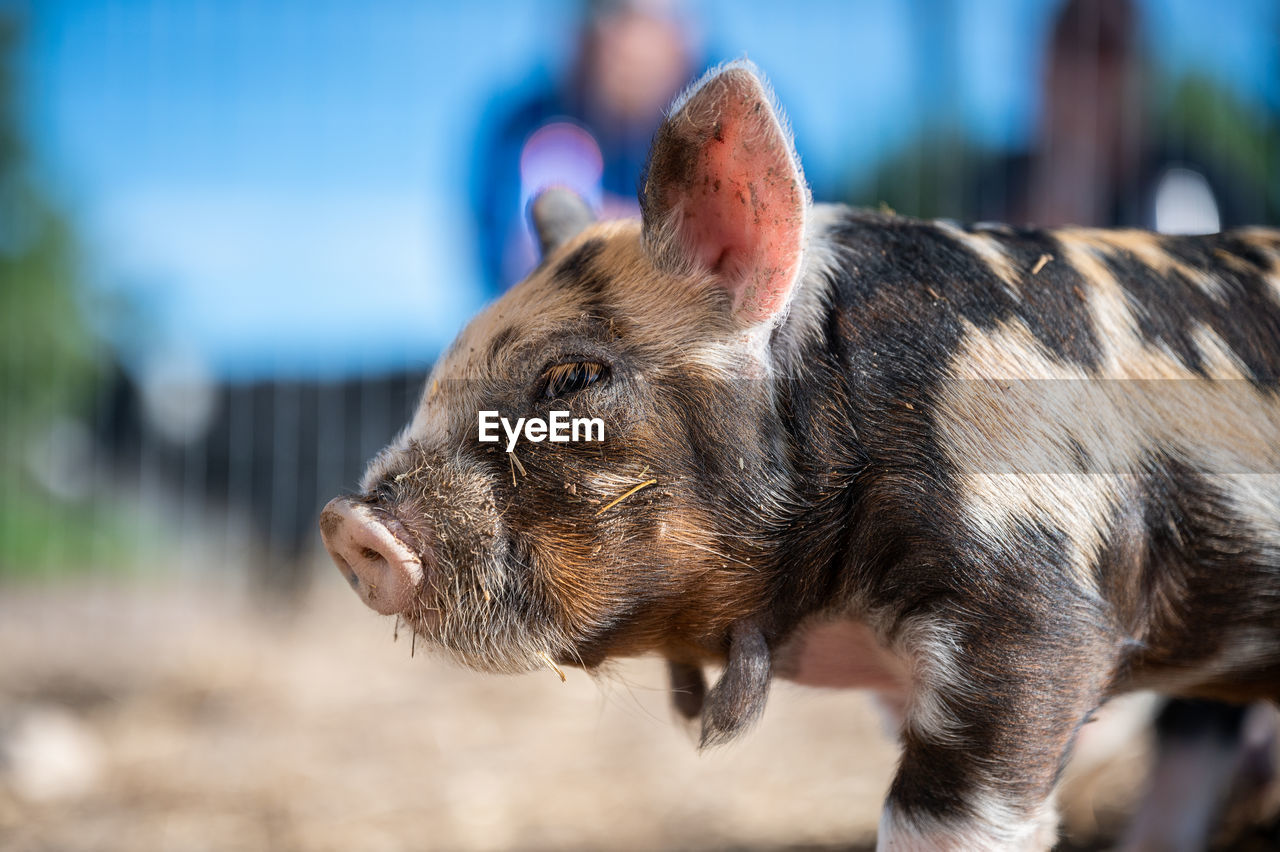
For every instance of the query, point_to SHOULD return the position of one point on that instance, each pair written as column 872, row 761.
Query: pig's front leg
column 993, row 712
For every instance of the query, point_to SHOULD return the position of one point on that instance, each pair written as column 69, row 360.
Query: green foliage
column 1244, row 140
column 45, row 348
column 933, row 176
column 41, row 538
column 47, row 367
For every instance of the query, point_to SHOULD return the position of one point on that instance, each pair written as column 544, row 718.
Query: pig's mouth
column 449, row 576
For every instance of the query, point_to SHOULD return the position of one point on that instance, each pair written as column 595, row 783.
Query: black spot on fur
column 913, row 794
column 1051, row 301
column 1168, row 308
column 1183, row 555
column 581, row 274
column 578, row 270
column 1195, row 533
column 1210, row 252
column 710, row 454
column 929, row 280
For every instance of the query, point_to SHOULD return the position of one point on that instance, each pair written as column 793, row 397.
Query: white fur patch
column 932, row 649
column 989, row 250
column 995, row 828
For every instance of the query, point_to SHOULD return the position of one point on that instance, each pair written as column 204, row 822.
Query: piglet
column 996, row 475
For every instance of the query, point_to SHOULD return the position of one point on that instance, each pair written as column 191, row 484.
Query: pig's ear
column 738, row 698
column 688, row 689
column 558, row 215
column 724, row 192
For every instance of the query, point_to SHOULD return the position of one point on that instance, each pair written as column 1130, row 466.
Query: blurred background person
column 1096, row 159
column 1114, row 140
column 589, row 130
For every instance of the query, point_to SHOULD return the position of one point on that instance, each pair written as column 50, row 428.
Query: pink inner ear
column 743, row 214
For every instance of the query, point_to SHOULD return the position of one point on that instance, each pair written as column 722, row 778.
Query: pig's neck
column 859, row 359
column 811, row 363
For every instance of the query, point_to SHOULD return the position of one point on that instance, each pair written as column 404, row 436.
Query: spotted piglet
column 997, row 475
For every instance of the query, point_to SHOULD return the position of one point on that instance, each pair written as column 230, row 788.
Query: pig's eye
column 565, row 379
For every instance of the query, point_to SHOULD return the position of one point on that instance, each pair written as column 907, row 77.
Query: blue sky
column 281, row 187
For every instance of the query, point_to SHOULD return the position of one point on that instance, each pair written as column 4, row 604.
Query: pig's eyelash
column 562, row 380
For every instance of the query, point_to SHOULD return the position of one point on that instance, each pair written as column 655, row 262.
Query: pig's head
column 662, row 537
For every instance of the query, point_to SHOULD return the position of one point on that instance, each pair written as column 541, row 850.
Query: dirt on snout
column 186, row 719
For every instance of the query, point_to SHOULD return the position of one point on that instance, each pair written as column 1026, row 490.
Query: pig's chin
column 484, row 624
column 479, row 603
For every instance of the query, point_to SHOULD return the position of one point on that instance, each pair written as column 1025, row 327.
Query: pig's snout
column 383, row 571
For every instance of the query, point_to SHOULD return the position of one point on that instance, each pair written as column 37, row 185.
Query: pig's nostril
column 345, row 567
column 381, row 569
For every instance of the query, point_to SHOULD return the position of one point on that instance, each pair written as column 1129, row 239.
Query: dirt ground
column 185, row 718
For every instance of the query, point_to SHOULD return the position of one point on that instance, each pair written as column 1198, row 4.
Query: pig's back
column 1115, row 392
